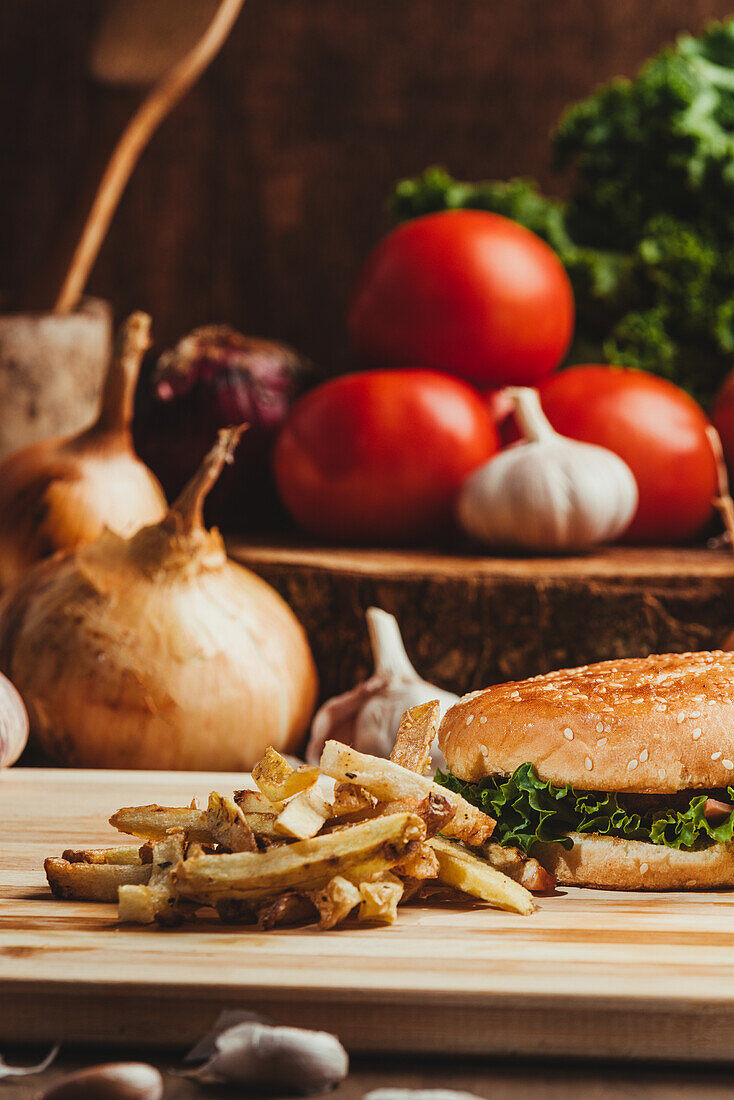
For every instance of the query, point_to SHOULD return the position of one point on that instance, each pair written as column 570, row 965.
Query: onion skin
column 158, row 652
column 213, row 378
column 13, row 724
column 60, row 494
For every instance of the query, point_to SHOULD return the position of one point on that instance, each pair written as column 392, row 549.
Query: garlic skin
column 549, row 494
column 112, row 1081
column 60, row 494
column 259, row 1054
column 158, row 651
column 13, row 724
column 368, row 716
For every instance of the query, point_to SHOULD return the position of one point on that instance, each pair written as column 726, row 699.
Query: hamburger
column 617, row 775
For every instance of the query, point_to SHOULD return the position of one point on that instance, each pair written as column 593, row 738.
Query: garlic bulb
column 111, row 1081
column 157, row 651
column 250, row 1051
column 368, row 716
column 61, row 493
column 549, row 493
column 13, row 724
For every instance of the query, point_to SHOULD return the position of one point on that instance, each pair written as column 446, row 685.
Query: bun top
column 651, row 725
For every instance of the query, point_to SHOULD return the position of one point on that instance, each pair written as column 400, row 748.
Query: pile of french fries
column 289, row 853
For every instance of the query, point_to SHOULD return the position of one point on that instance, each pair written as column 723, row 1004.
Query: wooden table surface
column 494, row 1080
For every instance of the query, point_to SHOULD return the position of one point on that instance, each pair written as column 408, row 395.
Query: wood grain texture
column 260, row 196
column 590, row 973
column 473, row 621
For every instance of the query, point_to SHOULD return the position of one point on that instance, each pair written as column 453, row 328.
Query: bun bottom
column 611, row 863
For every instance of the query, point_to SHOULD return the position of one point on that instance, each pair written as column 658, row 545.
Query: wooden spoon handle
column 160, row 101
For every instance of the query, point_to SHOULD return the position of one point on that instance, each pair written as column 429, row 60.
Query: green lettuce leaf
column 528, row 809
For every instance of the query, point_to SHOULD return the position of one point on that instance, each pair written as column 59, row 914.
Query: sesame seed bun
column 652, row 725
column 611, row 863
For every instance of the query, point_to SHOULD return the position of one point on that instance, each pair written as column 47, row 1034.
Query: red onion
column 216, row 378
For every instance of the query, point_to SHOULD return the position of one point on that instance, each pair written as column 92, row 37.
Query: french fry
column 357, row 852
column 157, row 901
column 389, row 781
column 350, row 799
column 228, row 826
column 154, row 822
column 435, row 810
column 304, row 815
column 83, row 881
column 278, row 780
column 380, row 897
column 125, row 854
column 467, row 872
column 256, row 802
column 335, row 901
column 287, row 909
column 523, row 869
column 416, row 733
column 422, row 864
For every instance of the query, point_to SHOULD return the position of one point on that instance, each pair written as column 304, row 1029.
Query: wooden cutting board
column 591, row 973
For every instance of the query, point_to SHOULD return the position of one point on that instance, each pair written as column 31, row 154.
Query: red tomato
column 467, row 292
column 722, row 415
column 378, row 457
column 657, row 429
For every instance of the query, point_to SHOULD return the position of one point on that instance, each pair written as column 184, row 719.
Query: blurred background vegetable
column 647, row 231
column 368, row 716
column 216, row 378
column 378, row 457
column 60, row 494
column 13, row 726
column 158, row 652
column 657, row 429
column 465, row 292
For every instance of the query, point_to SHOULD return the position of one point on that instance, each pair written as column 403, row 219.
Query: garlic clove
column 257, row 1054
column 368, row 716
column 27, row 1071
column 207, row 1045
column 112, row 1081
column 13, row 724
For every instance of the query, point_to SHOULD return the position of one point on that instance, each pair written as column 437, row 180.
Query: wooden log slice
column 468, row 621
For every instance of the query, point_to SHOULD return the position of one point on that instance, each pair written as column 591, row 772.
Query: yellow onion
column 60, row 494
column 13, row 724
column 158, row 651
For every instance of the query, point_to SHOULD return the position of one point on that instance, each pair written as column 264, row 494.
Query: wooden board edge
column 532, row 1027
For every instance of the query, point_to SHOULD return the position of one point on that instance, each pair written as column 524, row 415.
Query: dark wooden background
column 261, row 194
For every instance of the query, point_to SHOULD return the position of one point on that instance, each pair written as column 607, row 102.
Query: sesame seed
column 607, row 728
column 643, row 756
column 483, row 719
column 568, row 734
column 728, row 764
column 470, row 719
column 514, row 694
column 643, row 867
column 588, row 763
column 631, row 765
column 681, row 718
column 483, row 750
column 697, row 733
column 711, row 703
column 599, row 727
column 695, row 714
column 601, row 742
column 715, row 755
